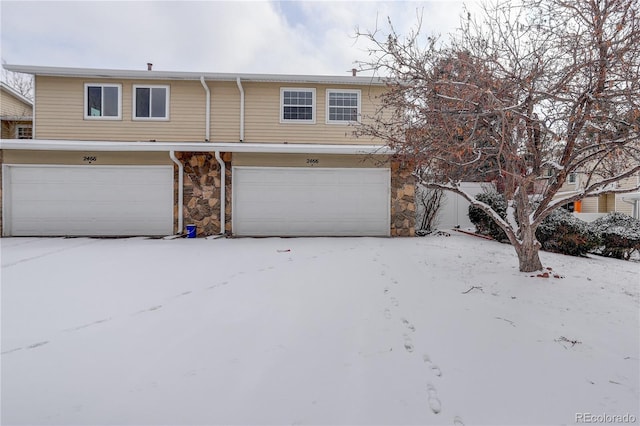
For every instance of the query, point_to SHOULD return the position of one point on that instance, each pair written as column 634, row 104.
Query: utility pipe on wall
column 172, row 155
column 223, row 192
column 241, row 108
column 207, row 119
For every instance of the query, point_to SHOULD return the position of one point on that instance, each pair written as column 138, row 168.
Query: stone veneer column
column 403, row 200
column 202, row 192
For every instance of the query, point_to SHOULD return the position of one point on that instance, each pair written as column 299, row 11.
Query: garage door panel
column 318, row 201
column 89, row 200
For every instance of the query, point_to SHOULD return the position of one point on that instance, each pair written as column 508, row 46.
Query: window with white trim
column 24, row 131
column 150, row 102
column 343, row 106
column 297, row 105
column 572, row 178
column 102, row 101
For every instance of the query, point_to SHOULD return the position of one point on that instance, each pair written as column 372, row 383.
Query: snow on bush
column 483, row 222
column 562, row 232
column 620, row 235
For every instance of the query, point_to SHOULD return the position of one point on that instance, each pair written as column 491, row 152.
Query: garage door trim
column 7, row 196
column 382, row 170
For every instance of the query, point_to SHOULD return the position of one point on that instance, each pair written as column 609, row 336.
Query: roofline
column 16, row 94
column 183, row 75
column 274, row 148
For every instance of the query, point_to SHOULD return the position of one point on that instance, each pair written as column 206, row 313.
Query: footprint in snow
column 408, row 324
column 387, row 313
column 457, row 421
column 432, row 399
column 408, row 344
column 434, row 368
column 394, row 302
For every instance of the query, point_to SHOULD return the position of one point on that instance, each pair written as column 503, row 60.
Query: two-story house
column 590, row 208
column 144, row 152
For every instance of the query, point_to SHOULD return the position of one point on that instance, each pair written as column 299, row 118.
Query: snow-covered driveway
column 434, row 330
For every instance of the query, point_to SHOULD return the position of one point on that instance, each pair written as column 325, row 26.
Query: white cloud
column 217, row 36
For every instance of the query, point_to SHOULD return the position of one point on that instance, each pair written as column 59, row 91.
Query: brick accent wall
column 403, row 200
column 202, row 192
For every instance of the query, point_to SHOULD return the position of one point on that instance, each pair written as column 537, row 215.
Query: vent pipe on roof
column 149, row 66
column 354, row 71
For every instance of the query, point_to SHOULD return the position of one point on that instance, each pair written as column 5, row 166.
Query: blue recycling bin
column 191, row 231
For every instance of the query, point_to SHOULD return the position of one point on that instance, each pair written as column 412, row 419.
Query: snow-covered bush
column 562, row 232
column 483, row 222
column 620, row 235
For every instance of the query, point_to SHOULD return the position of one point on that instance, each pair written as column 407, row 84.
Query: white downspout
column 241, row 108
column 223, row 192
column 207, row 119
column 172, row 155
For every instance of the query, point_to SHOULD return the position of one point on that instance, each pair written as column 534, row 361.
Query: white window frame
column 313, row 105
column 102, row 117
column 572, row 178
column 150, row 86
column 23, row 126
column 343, row 122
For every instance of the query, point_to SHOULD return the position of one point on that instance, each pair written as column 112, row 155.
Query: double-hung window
column 24, row 131
column 572, row 178
column 297, row 105
column 343, row 106
column 102, row 101
column 150, row 102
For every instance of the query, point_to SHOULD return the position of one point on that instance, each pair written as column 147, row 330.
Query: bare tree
column 21, row 83
column 542, row 84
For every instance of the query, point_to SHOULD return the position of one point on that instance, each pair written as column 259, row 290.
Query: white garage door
column 87, row 200
column 310, row 201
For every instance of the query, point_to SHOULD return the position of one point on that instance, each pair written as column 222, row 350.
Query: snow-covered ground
column 433, row 330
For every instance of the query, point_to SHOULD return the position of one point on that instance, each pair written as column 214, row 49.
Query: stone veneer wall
column 202, row 192
column 403, row 200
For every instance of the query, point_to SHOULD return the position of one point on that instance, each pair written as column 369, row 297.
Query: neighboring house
column 141, row 152
column 16, row 114
column 590, row 208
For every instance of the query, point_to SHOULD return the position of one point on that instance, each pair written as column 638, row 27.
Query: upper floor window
column 343, row 106
column 24, row 131
column 102, row 101
column 297, row 105
column 572, row 178
column 150, row 102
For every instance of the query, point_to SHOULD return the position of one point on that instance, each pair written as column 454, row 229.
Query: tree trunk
column 528, row 254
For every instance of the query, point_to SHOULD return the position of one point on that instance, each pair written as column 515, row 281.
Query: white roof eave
column 184, row 75
column 275, row 148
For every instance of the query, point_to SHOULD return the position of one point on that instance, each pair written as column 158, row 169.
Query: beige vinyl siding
column 82, row 158
column 225, row 111
column 60, row 112
column 13, row 107
column 628, row 183
column 308, row 160
column 590, row 205
column 623, row 207
column 262, row 116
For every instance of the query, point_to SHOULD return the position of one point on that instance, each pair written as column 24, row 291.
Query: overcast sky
column 292, row 37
